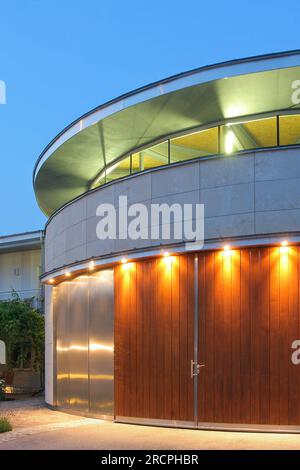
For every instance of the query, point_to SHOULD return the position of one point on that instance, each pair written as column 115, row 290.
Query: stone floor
column 36, row 427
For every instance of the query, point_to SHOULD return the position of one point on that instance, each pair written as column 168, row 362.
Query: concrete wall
column 250, row 194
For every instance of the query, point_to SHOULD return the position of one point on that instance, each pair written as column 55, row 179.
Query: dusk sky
column 61, row 58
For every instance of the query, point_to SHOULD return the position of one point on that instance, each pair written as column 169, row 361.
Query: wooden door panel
column 248, row 318
column 154, row 330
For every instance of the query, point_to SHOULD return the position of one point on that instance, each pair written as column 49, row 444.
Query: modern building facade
column 143, row 330
column 21, row 265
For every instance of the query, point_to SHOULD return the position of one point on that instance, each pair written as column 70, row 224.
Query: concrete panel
column 137, row 189
column 190, row 197
column 238, row 198
column 58, row 261
column 100, row 248
column 76, row 254
column 226, row 171
column 174, row 180
column 229, row 226
column 103, row 195
column 76, row 212
column 59, row 244
column 277, row 221
column 76, row 235
column 277, row 164
column 277, row 195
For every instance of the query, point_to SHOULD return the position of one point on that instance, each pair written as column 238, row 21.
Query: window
column 289, row 129
column 249, row 135
column 197, row 144
column 225, row 139
column 150, row 158
column 119, row 170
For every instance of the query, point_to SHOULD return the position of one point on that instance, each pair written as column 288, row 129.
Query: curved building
column 150, row 328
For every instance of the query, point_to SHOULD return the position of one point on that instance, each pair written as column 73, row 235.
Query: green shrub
column 5, row 425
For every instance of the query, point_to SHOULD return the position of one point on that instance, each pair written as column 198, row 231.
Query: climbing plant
column 22, row 330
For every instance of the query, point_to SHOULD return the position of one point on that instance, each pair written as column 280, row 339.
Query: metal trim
column 196, row 335
column 261, row 428
column 154, row 422
column 69, row 411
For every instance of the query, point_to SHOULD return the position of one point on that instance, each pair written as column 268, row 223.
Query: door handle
column 195, row 368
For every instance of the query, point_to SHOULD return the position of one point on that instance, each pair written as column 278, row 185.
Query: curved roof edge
column 234, row 62
column 181, row 102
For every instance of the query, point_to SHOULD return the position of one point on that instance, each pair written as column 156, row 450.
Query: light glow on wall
column 229, row 141
column 91, row 266
column 284, row 247
column 227, row 251
column 93, row 347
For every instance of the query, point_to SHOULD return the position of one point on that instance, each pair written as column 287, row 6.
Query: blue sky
column 60, row 58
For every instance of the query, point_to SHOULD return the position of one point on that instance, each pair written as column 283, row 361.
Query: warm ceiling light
column 166, row 254
column 68, row 274
column 91, row 265
column 227, row 248
column 51, row 281
column 284, row 247
column 124, row 260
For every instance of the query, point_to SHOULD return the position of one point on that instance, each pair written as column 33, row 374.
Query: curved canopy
column 239, row 88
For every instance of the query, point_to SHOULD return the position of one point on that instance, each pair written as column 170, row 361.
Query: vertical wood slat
column 154, row 338
column 255, row 318
column 248, row 318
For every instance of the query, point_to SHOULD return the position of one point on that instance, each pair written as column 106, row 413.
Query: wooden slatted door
column 154, row 334
column 248, row 319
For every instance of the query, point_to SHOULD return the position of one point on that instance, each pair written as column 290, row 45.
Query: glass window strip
column 245, row 134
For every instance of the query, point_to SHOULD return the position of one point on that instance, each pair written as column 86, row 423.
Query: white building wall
column 20, row 271
column 2, row 353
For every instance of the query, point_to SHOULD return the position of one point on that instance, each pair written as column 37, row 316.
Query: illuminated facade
column 142, row 330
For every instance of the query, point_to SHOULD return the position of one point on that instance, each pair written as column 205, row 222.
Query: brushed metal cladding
column 61, row 314
column 101, row 343
column 78, row 346
column 84, row 332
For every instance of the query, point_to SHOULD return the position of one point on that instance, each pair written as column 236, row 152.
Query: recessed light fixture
column 91, row 265
column 226, row 248
column 51, row 281
column 284, row 243
column 68, row 274
column 124, row 260
column 166, row 254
